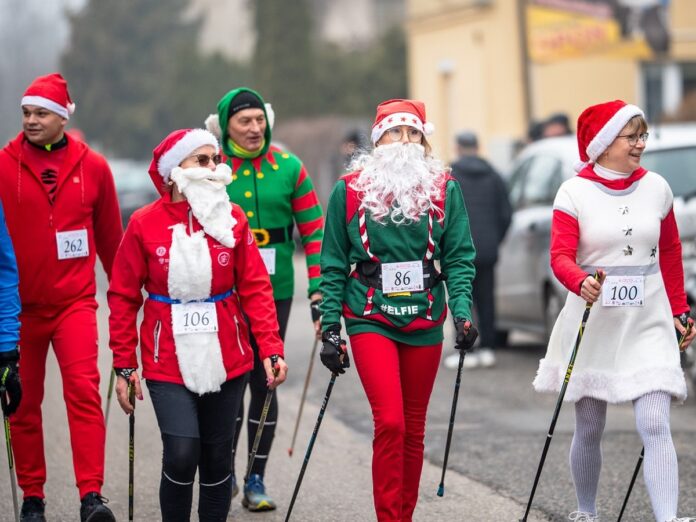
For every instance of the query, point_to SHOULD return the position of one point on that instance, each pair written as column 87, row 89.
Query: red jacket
column 85, row 198
column 142, row 260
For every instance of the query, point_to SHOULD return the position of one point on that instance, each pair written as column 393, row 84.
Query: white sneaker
column 486, row 357
column 472, row 360
column 451, row 362
column 685, row 519
column 583, row 516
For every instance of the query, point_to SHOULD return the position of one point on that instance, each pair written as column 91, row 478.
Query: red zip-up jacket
column 85, row 198
column 143, row 259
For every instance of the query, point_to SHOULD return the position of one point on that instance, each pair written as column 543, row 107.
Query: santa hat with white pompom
column 50, row 92
column 393, row 113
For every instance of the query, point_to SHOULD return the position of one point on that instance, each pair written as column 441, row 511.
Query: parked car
column 133, row 186
column 528, row 296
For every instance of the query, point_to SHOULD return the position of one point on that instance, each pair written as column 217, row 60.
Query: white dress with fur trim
column 625, row 352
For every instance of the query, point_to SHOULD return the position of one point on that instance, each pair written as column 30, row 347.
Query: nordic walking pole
column 131, row 451
column 681, row 338
column 598, row 276
column 304, row 396
column 10, row 455
column 312, row 440
column 633, row 481
column 262, row 421
column 109, row 393
column 450, row 430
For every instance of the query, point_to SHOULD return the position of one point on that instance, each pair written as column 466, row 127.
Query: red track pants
column 398, row 380
column 73, row 334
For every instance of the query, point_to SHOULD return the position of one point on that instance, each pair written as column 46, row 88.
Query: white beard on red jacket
column 190, row 270
column 399, row 181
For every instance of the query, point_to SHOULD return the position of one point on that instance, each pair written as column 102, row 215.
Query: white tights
column 660, row 463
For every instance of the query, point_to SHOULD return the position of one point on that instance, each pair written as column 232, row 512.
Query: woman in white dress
column 616, row 218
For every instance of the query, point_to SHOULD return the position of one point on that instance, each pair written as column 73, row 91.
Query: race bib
column 268, row 255
column 72, row 244
column 190, row 318
column 623, row 291
column 402, row 277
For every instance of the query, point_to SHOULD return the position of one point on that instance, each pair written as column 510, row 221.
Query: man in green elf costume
column 275, row 191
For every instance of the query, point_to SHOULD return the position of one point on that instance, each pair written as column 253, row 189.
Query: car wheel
column 553, row 303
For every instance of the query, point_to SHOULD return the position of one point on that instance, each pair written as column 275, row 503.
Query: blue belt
column 169, row 300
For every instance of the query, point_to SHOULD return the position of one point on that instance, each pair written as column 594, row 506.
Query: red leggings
column 398, row 379
column 73, row 334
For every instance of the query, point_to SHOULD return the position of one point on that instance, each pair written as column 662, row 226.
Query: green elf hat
column 235, row 101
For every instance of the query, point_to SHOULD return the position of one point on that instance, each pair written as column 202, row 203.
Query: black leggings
column 258, row 388
column 196, row 436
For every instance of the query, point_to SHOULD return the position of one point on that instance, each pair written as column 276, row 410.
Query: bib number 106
column 198, row 317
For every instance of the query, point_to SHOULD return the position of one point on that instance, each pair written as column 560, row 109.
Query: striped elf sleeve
column 310, row 223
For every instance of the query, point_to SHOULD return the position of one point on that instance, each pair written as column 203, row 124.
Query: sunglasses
column 204, row 159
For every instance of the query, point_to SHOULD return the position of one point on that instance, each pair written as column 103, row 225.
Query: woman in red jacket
column 194, row 254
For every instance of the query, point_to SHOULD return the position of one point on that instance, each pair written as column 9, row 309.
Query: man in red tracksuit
column 61, row 209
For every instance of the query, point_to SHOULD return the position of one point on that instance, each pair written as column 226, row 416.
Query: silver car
column 528, row 296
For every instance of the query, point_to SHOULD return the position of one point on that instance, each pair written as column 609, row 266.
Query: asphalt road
column 500, row 431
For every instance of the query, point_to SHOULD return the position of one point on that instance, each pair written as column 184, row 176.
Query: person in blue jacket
column 10, row 387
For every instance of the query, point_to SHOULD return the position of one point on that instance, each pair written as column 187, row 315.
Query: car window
column 516, row 183
column 676, row 166
column 542, row 181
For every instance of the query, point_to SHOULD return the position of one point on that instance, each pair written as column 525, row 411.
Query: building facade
column 494, row 66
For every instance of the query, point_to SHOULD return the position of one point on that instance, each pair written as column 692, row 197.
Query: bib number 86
column 402, row 278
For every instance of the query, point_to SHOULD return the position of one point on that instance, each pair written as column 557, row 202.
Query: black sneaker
column 33, row 510
column 93, row 509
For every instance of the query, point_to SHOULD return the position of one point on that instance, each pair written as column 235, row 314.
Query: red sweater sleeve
column 565, row 235
column 107, row 219
column 125, row 298
column 255, row 291
column 671, row 264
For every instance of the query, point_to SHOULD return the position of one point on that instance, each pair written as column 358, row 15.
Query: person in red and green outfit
column 274, row 190
column 396, row 214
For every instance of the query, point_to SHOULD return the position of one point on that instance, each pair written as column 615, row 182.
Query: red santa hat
column 50, row 92
column 393, row 113
column 598, row 127
column 175, row 148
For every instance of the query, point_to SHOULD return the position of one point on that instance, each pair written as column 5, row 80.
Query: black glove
column 466, row 334
column 314, row 307
column 685, row 320
column 334, row 354
column 125, row 373
column 10, row 385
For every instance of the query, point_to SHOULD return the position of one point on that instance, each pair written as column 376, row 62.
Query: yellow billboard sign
column 566, row 29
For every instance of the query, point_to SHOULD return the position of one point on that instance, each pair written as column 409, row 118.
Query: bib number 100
column 623, row 291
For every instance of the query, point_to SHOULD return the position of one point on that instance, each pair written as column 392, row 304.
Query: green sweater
column 414, row 318
column 274, row 190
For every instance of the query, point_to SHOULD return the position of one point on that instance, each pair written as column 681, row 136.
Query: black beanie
column 244, row 100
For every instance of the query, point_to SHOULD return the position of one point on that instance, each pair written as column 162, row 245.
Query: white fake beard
column 205, row 191
column 190, row 278
column 398, row 181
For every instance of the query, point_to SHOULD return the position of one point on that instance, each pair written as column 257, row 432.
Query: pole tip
column 289, row 452
column 441, row 490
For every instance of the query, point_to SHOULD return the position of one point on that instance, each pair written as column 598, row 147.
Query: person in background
column 490, row 214
column 273, row 188
column 392, row 218
column 557, row 124
column 9, row 323
column 194, row 254
column 616, row 219
column 61, row 210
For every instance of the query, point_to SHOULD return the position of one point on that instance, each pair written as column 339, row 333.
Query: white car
column 528, row 296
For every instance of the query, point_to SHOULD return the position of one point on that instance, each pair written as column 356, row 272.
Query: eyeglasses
column 204, row 159
column 413, row 134
column 633, row 138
